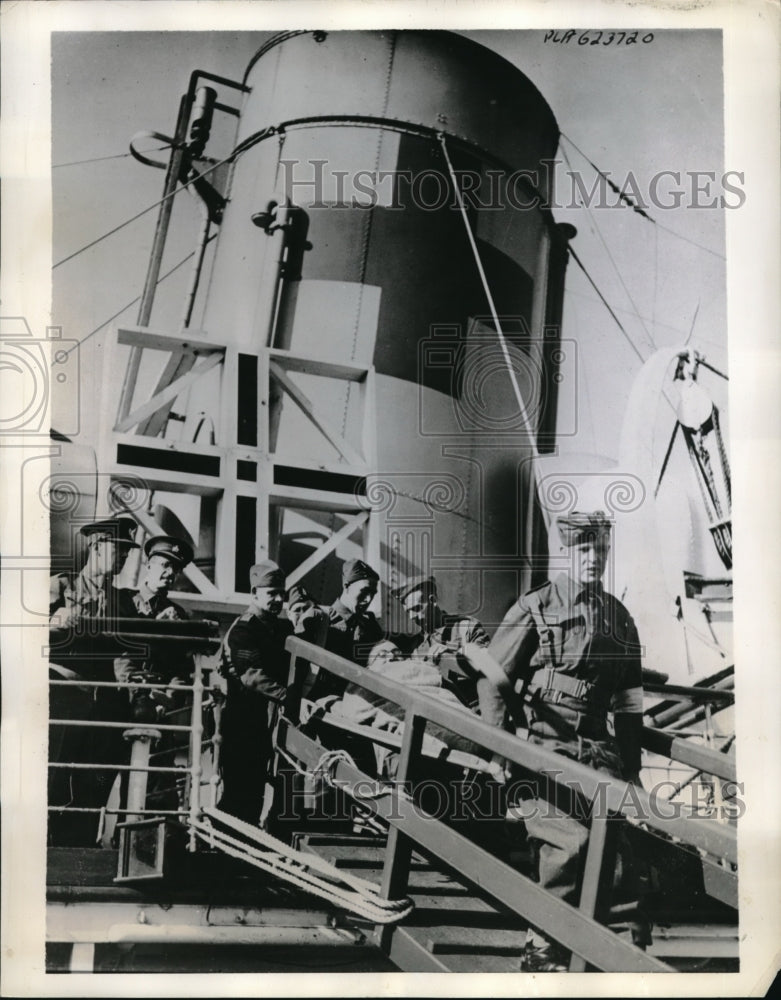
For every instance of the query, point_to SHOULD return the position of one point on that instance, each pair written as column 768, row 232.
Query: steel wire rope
column 628, row 201
column 606, row 304
column 492, row 307
column 242, row 147
column 133, row 301
column 602, row 240
column 629, row 312
column 114, row 156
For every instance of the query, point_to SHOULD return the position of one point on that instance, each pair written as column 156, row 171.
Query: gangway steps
column 452, row 927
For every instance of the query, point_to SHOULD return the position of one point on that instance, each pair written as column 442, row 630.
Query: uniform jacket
column 258, row 659
column 165, row 660
column 593, row 638
column 73, row 597
column 352, row 635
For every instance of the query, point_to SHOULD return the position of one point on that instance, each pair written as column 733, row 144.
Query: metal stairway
column 453, row 928
column 456, row 928
column 473, row 906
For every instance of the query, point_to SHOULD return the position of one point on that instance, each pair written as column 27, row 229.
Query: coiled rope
column 307, row 871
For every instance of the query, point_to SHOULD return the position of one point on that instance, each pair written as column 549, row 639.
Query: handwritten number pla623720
column 597, row 37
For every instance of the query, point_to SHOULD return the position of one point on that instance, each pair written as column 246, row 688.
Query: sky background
column 640, row 109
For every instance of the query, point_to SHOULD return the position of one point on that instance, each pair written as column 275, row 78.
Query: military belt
column 555, row 684
column 548, row 721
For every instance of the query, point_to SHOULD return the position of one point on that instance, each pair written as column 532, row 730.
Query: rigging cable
column 149, row 208
column 492, row 308
column 605, row 302
column 98, row 159
column 636, row 208
column 133, row 301
column 615, row 266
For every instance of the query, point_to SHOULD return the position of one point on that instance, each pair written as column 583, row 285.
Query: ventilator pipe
column 275, row 222
column 156, row 258
column 200, row 250
column 138, row 777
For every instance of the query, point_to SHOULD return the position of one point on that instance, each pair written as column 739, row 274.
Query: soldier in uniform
column 574, row 649
column 442, row 639
column 255, row 664
column 353, row 630
column 165, row 558
column 88, row 594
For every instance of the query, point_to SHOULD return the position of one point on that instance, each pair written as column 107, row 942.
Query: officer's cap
column 427, row 584
column 578, row 527
column 357, row 569
column 119, row 530
column 175, row 549
column 267, row 574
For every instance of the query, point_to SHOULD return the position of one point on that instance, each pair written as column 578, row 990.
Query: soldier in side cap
column 88, row 594
column 574, row 649
column 441, row 639
column 255, row 664
column 309, row 619
column 353, row 630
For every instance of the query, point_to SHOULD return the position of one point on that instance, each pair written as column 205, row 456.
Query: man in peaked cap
column 574, row 649
column 87, row 594
column 441, row 639
column 255, row 664
column 165, row 557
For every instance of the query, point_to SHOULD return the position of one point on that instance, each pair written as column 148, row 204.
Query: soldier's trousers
column 562, row 837
column 246, row 753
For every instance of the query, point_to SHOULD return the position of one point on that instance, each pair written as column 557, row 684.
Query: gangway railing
column 576, row 929
column 100, row 641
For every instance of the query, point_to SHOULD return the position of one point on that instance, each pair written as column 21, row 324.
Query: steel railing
column 575, row 928
column 133, row 638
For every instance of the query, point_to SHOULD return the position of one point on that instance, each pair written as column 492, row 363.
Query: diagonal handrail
column 615, row 795
column 576, row 929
